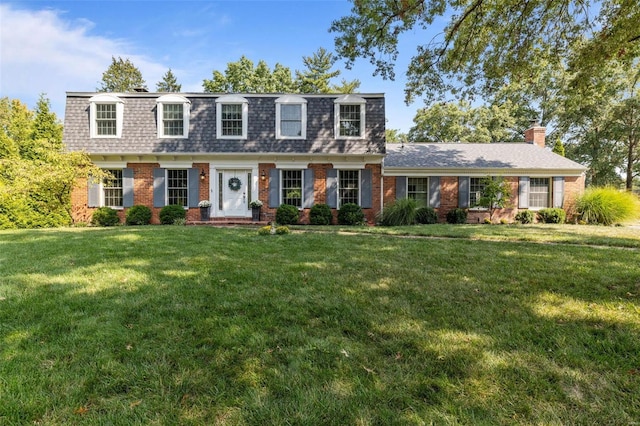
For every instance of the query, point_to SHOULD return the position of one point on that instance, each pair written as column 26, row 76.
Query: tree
column 121, row 76
column 243, row 77
column 485, row 44
column 495, row 194
column 169, row 83
column 395, row 136
column 558, row 147
column 460, row 122
column 36, row 175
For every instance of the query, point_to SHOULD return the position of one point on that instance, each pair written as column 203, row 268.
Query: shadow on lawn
column 197, row 326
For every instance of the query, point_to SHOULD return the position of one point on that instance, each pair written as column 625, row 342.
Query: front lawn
column 199, row 325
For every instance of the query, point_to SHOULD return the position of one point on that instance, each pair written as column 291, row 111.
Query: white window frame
column 549, row 193
column 103, row 198
column 281, row 186
column 105, row 99
column 472, row 206
column 291, row 100
column 358, row 181
column 186, row 111
column 349, row 100
column 232, row 100
column 166, row 187
column 428, row 188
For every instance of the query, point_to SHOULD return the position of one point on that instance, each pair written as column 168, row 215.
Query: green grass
column 196, row 325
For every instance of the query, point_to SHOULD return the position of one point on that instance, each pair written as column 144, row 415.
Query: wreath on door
column 235, row 184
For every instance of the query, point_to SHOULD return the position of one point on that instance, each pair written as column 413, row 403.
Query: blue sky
column 57, row 46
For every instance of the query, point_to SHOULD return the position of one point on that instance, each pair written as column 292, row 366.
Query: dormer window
column 349, row 117
column 291, row 117
column 231, row 117
column 173, row 116
column 106, row 115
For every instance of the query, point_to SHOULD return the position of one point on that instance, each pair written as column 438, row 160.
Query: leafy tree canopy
column 169, row 83
column 121, row 76
column 486, row 44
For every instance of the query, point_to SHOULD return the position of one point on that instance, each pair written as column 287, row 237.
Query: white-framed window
column 106, row 113
column 418, row 189
column 539, row 193
column 476, row 186
column 231, row 117
column 291, row 117
column 178, row 187
column 173, row 116
column 291, row 187
column 348, row 187
column 112, row 189
column 349, row 117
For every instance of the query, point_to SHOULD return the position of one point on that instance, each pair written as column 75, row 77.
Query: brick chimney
column 535, row 134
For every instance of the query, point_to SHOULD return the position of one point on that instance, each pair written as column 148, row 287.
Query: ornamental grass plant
column 607, row 206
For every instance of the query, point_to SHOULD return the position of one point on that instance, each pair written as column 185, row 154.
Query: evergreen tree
column 169, row 83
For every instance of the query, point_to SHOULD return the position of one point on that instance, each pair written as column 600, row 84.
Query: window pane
column 106, row 119
column 349, row 183
column 112, row 186
column 538, row 193
column 291, row 120
column 292, row 187
column 418, row 189
column 231, row 121
column 349, row 120
column 475, row 191
column 177, row 187
column 173, row 119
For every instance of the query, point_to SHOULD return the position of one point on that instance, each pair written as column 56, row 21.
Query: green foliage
column 36, row 175
column 287, row 214
column 402, row 212
column 243, row 77
column 351, row 214
column 525, row 216
column 169, row 83
column 457, row 216
column 169, row 214
column 496, row 193
column 265, row 230
column 558, row 147
column 552, row 215
column 138, row 215
column 121, row 76
column 320, row 214
column 426, row 216
column 606, row 206
column 105, row 216
column 282, row 230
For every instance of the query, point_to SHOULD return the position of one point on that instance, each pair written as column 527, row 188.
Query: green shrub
column 400, row 213
column 552, row 215
column 287, row 215
column 138, row 215
column 169, row 214
column 320, row 214
column 426, row 216
column 265, row 230
column 606, row 206
column 525, row 217
column 180, row 222
column 351, row 214
column 105, row 216
column 457, row 216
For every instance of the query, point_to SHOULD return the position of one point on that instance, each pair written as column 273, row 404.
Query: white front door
column 235, row 187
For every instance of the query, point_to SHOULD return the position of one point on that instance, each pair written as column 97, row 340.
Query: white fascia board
column 400, row 171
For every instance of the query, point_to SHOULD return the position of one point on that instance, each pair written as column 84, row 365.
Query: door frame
column 215, row 186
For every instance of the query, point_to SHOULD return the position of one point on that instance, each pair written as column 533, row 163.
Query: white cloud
column 40, row 52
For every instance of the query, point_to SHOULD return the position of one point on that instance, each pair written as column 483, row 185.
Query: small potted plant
column 205, row 207
column 255, row 210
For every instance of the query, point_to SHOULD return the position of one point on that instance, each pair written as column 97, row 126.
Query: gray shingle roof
column 476, row 157
column 139, row 132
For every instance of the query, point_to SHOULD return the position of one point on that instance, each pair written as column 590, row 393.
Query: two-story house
column 302, row 150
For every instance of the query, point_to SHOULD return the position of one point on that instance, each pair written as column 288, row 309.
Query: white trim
column 105, row 99
column 232, row 100
column 186, row 110
column 175, row 164
column 292, row 100
column 349, row 166
column 291, row 165
column 359, row 180
column 111, row 164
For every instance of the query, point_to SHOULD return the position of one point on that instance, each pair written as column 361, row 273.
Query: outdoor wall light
column 263, row 176
column 202, row 175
